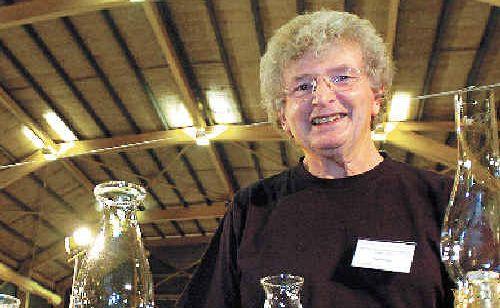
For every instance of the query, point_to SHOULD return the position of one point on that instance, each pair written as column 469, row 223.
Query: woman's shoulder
column 430, row 179
column 265, row 190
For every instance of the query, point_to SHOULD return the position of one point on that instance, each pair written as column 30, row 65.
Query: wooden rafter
column 392, row 22
column 166, row 45
column 177, row 241
column 27, row 284
column 216, row 210
column 28, row 12
column 25, row 119
column 484, row 46
column 168, row 50
column 423, row 146
column 434, row 57
column 25, row 167
column 234, row 133
column 492, row 2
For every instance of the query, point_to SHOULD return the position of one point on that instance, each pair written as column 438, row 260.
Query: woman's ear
column 379, row 100
column 282, row 120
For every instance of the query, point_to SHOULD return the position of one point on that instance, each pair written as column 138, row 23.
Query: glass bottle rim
column 278, row 280
column 136, row 190
column 9, row 300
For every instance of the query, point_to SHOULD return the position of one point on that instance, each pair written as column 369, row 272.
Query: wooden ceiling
column 114, row 70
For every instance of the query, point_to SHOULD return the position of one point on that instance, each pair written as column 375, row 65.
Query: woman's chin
column 326, row 149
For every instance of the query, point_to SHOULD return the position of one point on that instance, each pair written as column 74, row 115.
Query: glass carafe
column 282, row 291
column 7, row 301
column 470, row 236
column 115, row 272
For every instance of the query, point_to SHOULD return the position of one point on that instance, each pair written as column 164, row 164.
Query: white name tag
column 385, row 256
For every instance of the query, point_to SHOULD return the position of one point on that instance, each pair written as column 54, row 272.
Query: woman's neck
column 340, row 166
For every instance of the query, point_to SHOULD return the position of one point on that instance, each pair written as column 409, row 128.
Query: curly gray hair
column 313, row 32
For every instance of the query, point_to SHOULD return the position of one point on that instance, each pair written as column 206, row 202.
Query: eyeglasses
column 339, row 80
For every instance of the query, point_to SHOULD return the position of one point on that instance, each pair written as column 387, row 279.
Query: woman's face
column 334, row 121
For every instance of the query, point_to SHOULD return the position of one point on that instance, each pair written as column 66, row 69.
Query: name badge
column 385, row 256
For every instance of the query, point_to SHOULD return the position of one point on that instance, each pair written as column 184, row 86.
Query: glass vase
column 282, row 291
column 7, row 301
column 471, row 230
column 114, row 272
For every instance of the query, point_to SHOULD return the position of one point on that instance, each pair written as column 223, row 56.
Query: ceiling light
column 82, row 236
column 399, row 110
column 175, row 111
column 59, row 126
column 37, row 142
column 223, row 109
column 201, row 137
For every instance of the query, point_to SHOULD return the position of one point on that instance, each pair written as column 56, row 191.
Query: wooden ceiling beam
column 23, row 168
column 392, row 23
column 168, row 50
column 28, row 12
column 484, row 46
column 234, row 133
column 178, row 241
column 492, row 2
column 435, row 126
column 219, row 151
column 47, row 255
column 424, row 147
column 222, row 170
column 8, row 102
column 216, row 210
column 179, row 74
column 442, row 25
column 27, row 284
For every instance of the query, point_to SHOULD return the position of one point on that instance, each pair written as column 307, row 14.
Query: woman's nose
column 323, row 93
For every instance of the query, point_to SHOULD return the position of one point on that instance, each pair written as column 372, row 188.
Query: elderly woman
column 362, row 229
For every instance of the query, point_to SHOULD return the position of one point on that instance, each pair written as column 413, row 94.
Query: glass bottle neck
column 119, row 219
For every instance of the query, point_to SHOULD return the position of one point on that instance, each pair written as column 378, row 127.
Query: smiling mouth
column 328, row 119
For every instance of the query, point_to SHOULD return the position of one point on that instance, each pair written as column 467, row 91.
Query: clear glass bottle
column 7, row 301
column 470, row 236
column 282, row 291
column 115, row 272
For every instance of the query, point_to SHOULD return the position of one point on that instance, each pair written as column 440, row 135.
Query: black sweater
column 296, row 223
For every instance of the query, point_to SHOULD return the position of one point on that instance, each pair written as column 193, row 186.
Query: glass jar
column 282, row 291
column 7, row 301
column 114, row 272
column 470, row 236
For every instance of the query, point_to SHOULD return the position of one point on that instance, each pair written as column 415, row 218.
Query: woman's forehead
column 337, row 54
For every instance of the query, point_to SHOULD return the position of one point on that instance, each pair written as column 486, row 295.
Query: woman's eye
column 303, row 87
column 340, row 78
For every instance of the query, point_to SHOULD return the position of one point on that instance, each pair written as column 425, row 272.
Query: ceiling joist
column 424, row 147
column 234, row 133
column 28, row 12
column 177, row 241
column 168, row 50
column 9, row 103
column 27, row 284
column 167, row 47
column 216, row 210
